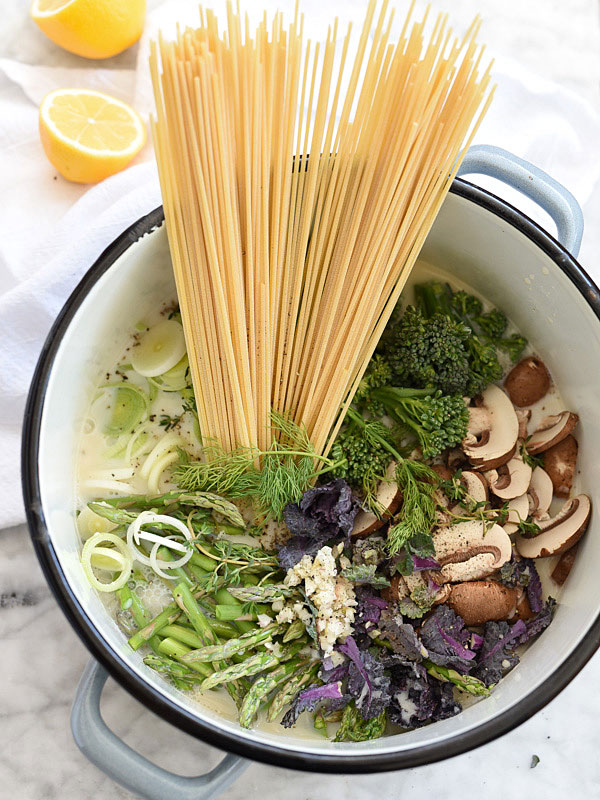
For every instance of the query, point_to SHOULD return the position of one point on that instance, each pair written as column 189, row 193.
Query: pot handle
column 533, row 183
column 110, row 754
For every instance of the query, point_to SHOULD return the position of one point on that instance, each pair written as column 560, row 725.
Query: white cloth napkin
column 51, row 231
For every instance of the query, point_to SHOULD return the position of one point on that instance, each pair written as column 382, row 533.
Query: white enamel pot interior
column 483, row 242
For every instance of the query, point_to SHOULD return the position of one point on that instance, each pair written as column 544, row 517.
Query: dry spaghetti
column 288, row 266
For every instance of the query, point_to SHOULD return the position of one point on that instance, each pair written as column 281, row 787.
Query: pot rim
column 160, row 704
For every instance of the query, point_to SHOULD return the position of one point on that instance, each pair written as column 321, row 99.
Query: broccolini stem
column 352, row 414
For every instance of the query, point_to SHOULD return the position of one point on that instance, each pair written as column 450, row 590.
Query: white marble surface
column 42, row 658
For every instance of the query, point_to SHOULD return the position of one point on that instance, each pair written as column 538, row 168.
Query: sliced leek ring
column 130, row 406
column 159, row 350
column 92, row 546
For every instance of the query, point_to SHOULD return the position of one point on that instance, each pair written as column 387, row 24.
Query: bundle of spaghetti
column 288, row 267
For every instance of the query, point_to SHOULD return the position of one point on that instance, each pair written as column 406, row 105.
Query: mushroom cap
column 528, row 381
column 467, row 551
column 540, row 493
column 497, row 441
column 389, row 497
column 518, row 509
column 563, row 567
column 511, row 479
column 558, row 533
column 560, row 462
column 552, row 430
column 478, row 602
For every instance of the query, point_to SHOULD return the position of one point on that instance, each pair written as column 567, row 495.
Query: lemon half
column 89, row 135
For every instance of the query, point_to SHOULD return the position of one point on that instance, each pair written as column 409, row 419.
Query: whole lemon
column 91, row 28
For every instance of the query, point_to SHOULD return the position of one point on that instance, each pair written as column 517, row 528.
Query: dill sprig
column 416, row 517
column 272, row 478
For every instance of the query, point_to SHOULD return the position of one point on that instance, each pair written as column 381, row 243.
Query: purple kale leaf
column 309, row 699
column 368, row 682
column 522, row 572
column 537, row 624
column 418, row 699
column 447, row 640
column 496, row 655
column 401, row 636
column 420, row 564
column 323, row 513
column 367, row 615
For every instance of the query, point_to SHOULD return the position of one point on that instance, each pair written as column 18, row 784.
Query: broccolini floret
column 361, row 454
column 438, row 421
column 428, row 352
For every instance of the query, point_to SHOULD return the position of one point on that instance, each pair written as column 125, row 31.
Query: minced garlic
column 331, row 595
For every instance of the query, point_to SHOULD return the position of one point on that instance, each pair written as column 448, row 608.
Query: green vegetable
column 355, row 729
column 186, row 600
column 290, row 689
column 286, row 469
column 263, row 686
column 363, row 451
column 414, row 521
column 260, row 594
column 250, row 666
column 365, row 574
column 437, row 421
column 535, row 760
column 177, row 650
column 464, row 682
column 319, row 723
column 486, row 332
column 167, row 616
column 430, row 351
column 129, row 407
column 232, row 646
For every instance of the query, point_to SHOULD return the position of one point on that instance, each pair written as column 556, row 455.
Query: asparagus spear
column 465, row 682
column 263, row 686
column 166, row 617
column 260, row 594
column 205, row 500
column 187, row 602
column 233, row 646
column 250, row 666
column 290, row 689
column 174, row 649
column 129, row 600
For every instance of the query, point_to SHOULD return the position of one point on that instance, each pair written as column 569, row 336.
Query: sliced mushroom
column 467, row 551
column 558, row 533
column 518, row 510
column 493, row 429
column 476, row 486
column 523, row 415
column 389, row 497
column 511, row 479
column 560, row 462
column 551, row 430
column 483, row 601
column 528, row 381
column 540, row 494
column 560, row 573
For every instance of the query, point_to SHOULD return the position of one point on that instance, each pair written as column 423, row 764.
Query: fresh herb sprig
column 271, row 478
